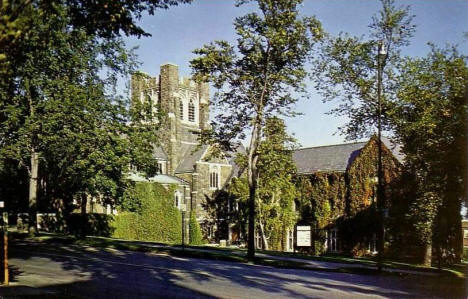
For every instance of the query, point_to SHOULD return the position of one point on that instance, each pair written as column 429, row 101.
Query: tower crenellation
column 184, row 105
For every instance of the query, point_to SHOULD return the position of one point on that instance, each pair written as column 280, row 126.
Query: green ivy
column 346, row 199
column 156, row 219
column 195, row 234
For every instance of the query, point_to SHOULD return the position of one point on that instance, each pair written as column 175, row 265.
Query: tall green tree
column 105, row 19
column 360, row 72
column 276, row 190
column 347, row 68
column 257, row 78
column 61, row 120
column 430, row 121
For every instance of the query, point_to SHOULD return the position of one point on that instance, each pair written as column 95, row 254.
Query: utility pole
column 381, row 57
column 4, row 249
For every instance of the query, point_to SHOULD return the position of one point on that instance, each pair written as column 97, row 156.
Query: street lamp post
column 183, row 208
column 381, row 57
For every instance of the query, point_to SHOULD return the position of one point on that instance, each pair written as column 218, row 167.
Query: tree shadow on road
column 74, row 271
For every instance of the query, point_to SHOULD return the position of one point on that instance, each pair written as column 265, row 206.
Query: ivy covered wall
column 150, row 216
column 346, row 199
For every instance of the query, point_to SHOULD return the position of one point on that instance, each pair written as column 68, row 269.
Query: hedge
column 157, row 219
column 195, row 234
column 90, row 224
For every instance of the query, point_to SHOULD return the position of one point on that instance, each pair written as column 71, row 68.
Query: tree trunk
column 252, row 173
column 32, row 229
column 428, row 255
column 252, row 178
column 84, row 202
column 262, row 235
column 251, row 228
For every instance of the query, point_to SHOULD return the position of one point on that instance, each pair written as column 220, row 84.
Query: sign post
column 183, row 208
column 4, row 248
column 303, row 236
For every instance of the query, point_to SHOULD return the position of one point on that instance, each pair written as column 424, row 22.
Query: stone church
column 184, row 106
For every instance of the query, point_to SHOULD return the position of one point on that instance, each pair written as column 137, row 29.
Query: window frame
column 191, row 111
column 181, row 110
column 214, row 177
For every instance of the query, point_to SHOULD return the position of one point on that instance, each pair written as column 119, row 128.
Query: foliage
column 322, row 198
column 106, row 19
column 221, row 212
column 346, row 200
column 157, row 219
column 256, row 79
column 362, row 175
column 276, row 190
column 62, row 122
column 195, row 233
column 346, row 69
column 127, row 226
column 430, row 121
column 90, row 225
column 13, row 186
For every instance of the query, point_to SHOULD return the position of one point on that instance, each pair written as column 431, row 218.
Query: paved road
column 70, row 271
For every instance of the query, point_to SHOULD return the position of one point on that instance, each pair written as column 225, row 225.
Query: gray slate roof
column 158, row 153
column 159, row 178
column 326, row 158
column 238, row 149
column 395, row 148
column 191, row 155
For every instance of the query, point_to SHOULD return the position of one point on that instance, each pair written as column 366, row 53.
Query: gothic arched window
column 214, row 178
column 149, row 105
column 181, row 110
column 191, row 112
column 177, row 199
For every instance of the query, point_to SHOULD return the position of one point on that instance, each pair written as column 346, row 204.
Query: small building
column 338, row 187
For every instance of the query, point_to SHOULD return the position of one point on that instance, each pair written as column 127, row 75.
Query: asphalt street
column 69, row 271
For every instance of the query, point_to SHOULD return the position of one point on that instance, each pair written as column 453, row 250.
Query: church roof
column 237, row 149
column 395, row 148
column 336, row 157
column 326, row 158
column 191, row 154
column 159, row 178
column 158, row 153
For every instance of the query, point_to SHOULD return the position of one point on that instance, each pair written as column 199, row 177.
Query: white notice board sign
column 303, row 235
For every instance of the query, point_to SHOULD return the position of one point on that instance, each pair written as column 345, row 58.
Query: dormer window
column 191, row 112
column 181, row 110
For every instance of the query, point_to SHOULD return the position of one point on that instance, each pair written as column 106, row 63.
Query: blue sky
column 179, row 30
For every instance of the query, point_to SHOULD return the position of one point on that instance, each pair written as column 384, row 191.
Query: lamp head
column 382, row 48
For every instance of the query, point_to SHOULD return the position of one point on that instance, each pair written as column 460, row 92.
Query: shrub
column 157, row 219
column 90, row 224
column 125, row 225
column 195, row 235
